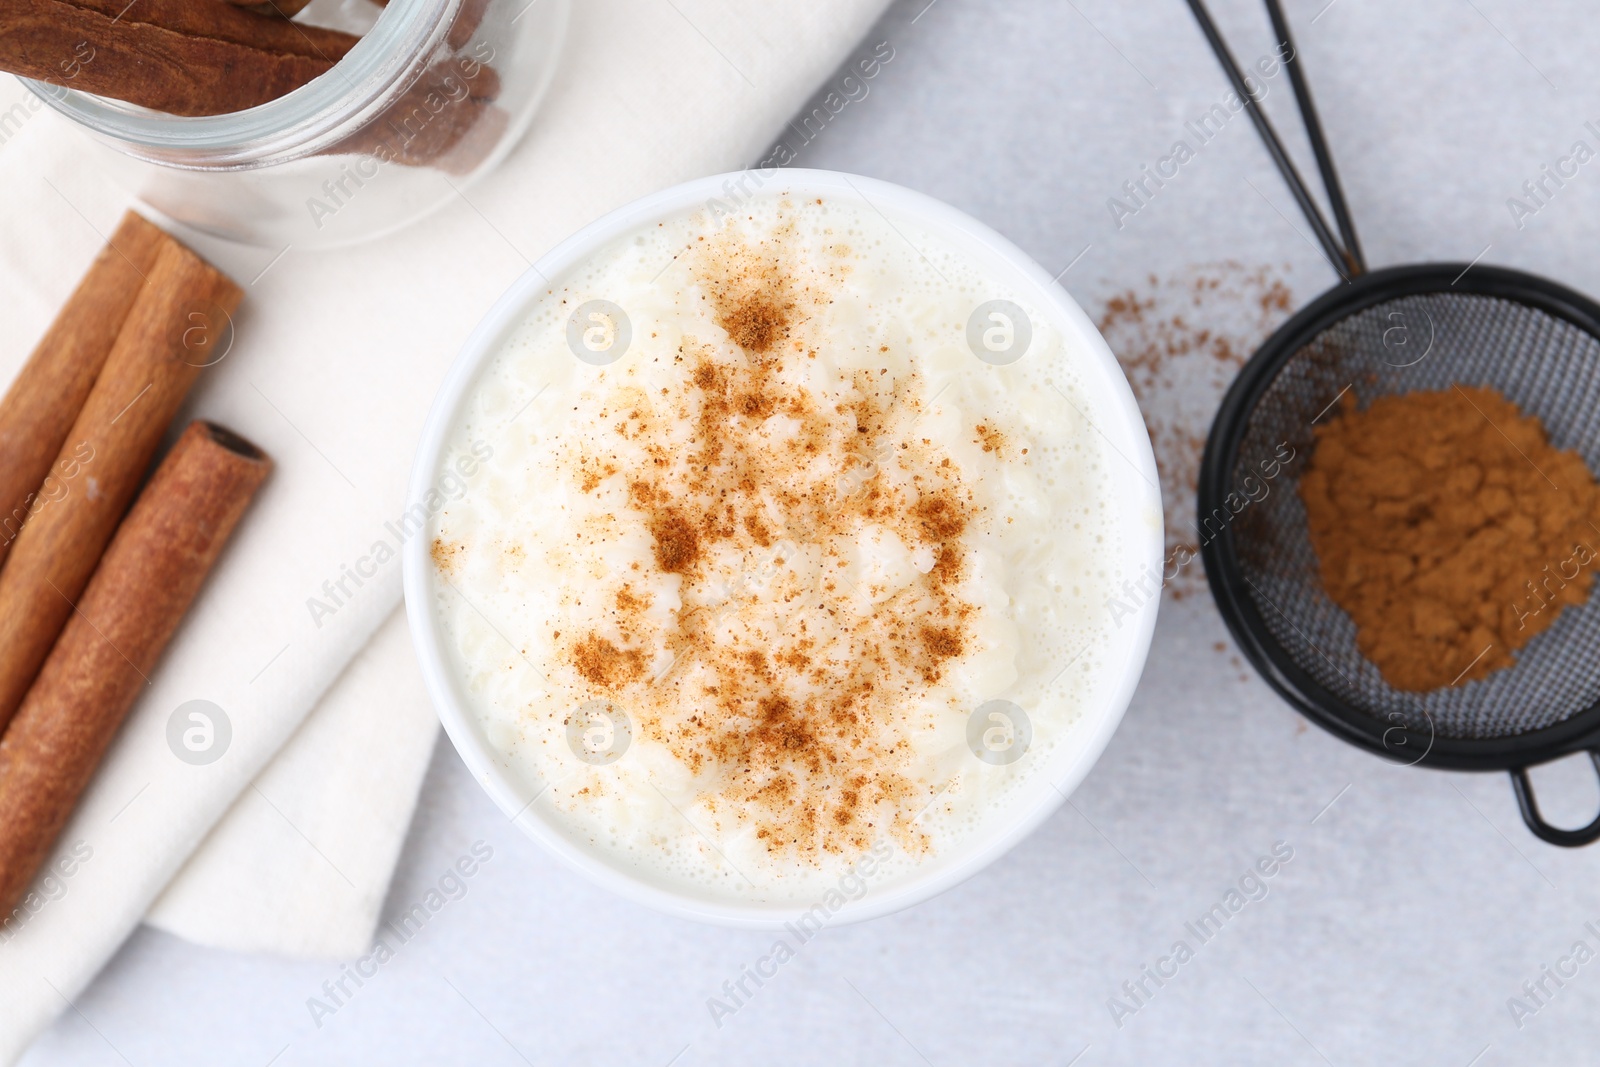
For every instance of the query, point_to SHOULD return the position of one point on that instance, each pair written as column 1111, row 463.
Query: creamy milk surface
column 782, row 540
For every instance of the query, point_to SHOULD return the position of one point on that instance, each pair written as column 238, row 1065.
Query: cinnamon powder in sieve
column 1449, row 529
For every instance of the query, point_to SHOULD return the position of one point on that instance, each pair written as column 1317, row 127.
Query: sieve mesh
column 1545, row 365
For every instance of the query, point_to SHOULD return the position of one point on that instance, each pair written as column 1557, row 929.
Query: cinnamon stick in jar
column 142, row 588
column 47, row 394
column 184, row 57
column 445, row 119
column 283, row 9
column 168, row 336
column 468, row 17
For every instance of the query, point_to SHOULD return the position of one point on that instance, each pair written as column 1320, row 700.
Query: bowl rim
column 1119, row 423
column 1229, row 587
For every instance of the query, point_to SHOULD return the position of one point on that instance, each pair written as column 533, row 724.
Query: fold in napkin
column 301, row 863
column 337, row 357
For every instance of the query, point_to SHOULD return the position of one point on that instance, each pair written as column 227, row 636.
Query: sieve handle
column 1543, row 830
column 1346, row 262
column 1354, row 260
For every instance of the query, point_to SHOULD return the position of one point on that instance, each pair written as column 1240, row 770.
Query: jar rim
column 300, row 123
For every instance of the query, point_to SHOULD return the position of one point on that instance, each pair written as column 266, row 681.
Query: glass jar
column 433, row 96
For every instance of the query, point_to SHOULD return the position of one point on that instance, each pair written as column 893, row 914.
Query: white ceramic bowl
column 1116, row 418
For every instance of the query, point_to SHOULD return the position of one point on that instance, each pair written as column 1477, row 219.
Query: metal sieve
column 1396, row 330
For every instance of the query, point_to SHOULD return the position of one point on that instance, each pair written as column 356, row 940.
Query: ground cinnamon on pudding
column 776, row 665
column 604, row 664
column 1449, row 529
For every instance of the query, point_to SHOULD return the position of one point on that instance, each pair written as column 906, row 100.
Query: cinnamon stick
column 150, row 575
column 184, row 57
column 445, row 118
column 49, row 391
column 168, row 336
column 469, row 16
column 284, row 9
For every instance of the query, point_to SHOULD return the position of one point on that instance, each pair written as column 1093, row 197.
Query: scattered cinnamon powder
column 677, row 543
column 444, row 554
column 593, row 473
column 752, row 300
column 606, row 665
column 1449, row 529
column 1180, row 340
column 942, row 643
column 630, row 602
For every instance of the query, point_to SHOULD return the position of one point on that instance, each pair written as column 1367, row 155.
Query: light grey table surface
column 1413, row 907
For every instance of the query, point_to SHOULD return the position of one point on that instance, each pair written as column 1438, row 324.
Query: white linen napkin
column 336, row 362
column 344, row 786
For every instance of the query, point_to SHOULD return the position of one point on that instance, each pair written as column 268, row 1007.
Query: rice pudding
column 787, row 539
